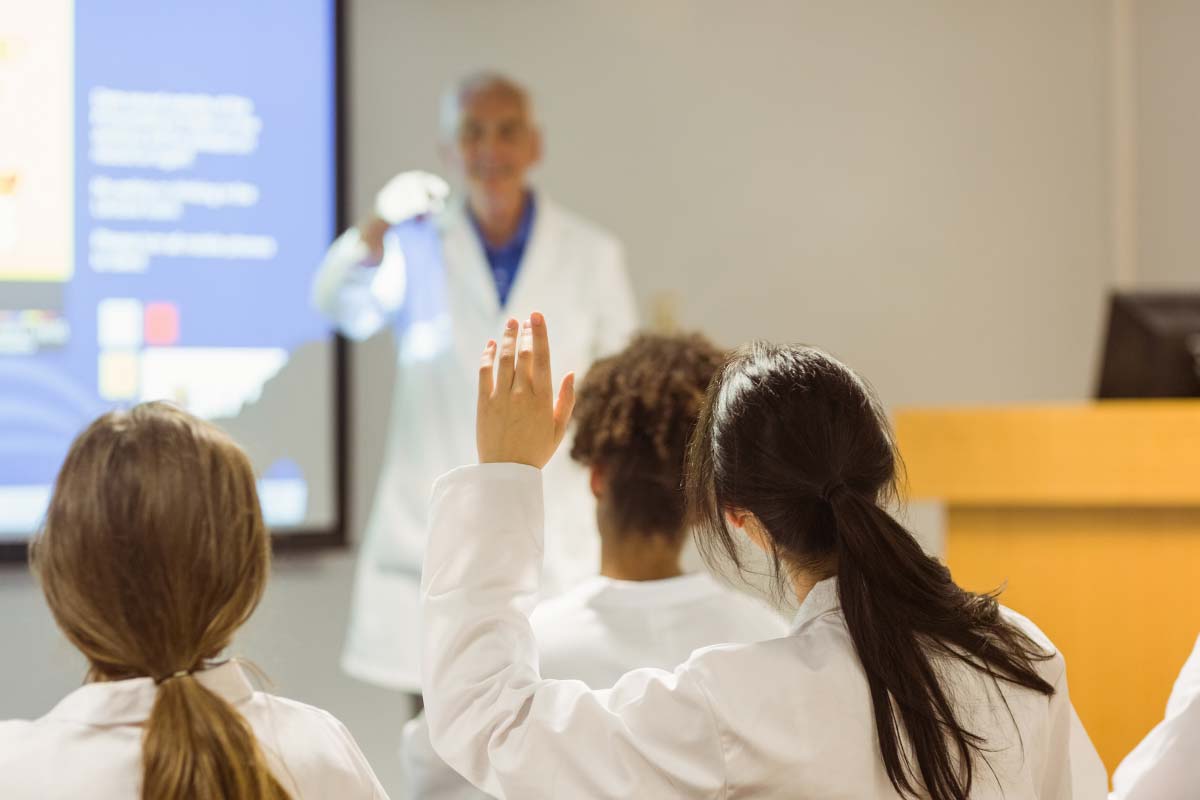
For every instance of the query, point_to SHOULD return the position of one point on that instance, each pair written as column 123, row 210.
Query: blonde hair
column 153, row 553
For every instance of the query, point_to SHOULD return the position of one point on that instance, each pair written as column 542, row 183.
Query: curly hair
column 634, row 414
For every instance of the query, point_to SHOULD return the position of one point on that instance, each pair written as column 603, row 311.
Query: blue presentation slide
column 167, row 188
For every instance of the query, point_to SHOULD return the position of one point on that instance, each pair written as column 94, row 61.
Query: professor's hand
column 518, row 419
column 372, row 230
column 411, row 194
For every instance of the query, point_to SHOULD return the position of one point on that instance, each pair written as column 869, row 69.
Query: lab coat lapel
column 539, row 262
column 467, row 273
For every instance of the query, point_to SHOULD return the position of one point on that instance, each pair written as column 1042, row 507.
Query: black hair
column 794, row 437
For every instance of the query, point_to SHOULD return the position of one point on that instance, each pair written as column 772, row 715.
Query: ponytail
column 152, row 555
column 901, row 606
column 197, row 745
column 794, row 437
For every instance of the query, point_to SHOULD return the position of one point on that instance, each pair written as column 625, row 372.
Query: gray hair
column 451, row 105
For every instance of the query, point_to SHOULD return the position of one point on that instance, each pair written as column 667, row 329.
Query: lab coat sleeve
column 364, row 783
column 618, row 317
column 491, row 716
column 1070, row 767
column 359, row 299
column 430, row 778
column 1167, row 762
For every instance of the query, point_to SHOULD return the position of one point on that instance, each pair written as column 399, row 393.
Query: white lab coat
column 90, row 744
column 572, row 272
column 1166, row 764
column 786, row 718
column 602, row 629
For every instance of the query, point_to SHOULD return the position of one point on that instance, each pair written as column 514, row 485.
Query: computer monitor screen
column 1152, row 348
column 168, row 177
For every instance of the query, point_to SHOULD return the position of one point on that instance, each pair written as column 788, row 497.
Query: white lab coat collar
column 129, row 702
column 463, row 249
column 718, row 726
column 462, row 246
column 667, row 591
column 821, row 600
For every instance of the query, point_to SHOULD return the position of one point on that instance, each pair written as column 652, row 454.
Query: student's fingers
column 508, row 353
column 564, row 407
column 525, row 366
column 540, row 347
column 487, row 366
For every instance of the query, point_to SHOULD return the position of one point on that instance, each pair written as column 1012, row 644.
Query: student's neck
column 639, row 557
column 803, row 581
column 499, row 218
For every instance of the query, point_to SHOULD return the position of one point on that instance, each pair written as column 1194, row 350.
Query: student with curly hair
column 635, row 414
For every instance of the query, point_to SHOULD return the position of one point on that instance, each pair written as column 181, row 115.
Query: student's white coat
column 600, row 630
column 786, row 718
column 90, row 744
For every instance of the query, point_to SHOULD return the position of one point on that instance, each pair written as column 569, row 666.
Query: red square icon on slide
column 162, row 323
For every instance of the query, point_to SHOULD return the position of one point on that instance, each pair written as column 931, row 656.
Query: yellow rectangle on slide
column 37, row 63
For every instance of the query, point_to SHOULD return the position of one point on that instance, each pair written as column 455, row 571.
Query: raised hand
column 518, row 419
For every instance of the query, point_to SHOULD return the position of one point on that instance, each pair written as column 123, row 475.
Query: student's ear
column 597, row 481
column 748, row 524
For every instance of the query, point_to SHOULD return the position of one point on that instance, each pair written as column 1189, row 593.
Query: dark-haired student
column 634, row 415
column 893, row 682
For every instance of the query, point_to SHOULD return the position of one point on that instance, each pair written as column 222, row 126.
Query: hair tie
column 183, row 673
column 833, row 490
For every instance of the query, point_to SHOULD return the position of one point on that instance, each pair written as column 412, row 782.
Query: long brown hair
column 153, row 553
column 793, row 436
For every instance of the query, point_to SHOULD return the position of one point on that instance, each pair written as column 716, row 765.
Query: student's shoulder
column 1053, row 666
column 15, row 736
column 751, row 618
column 33, row 752
column 303, row 735
column 820, row 645
column 318, row 751
column 14, row 729
column 309, row 717
column 814, row 663
column 20, row 738
column 567, row 605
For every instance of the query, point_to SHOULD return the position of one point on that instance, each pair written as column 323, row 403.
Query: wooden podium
column 1089, row 516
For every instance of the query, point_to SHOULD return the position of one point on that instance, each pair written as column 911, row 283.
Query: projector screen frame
column 333, row 536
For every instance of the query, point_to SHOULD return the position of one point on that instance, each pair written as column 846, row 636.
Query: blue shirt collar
column 519, row 239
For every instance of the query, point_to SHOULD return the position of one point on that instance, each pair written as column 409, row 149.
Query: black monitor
column 1153, row 346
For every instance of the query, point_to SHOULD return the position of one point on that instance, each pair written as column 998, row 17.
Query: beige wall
column 1168, row 132
column 920, row 187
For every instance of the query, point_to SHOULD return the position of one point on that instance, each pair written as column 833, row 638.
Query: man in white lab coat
column 444, row 270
